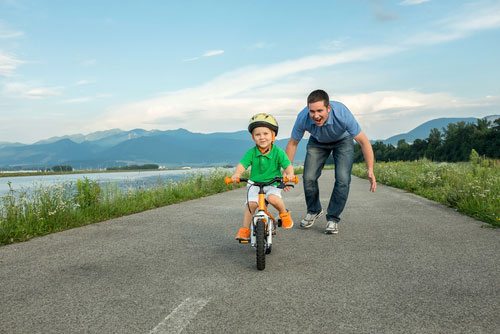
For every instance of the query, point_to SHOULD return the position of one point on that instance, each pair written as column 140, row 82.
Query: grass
column 50, row 209
column 471, row 188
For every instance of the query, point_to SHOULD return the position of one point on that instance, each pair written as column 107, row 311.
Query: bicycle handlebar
column 276, row 179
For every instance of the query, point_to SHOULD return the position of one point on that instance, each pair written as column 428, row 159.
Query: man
column 332, row 129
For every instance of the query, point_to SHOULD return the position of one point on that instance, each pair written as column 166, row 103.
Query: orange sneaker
column 243, row 234
column 286, row 219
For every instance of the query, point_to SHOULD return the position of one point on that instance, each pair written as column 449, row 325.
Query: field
column 472, row 188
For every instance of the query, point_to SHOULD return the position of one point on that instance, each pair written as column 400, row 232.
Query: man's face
column 318, row 112
column 262, row 136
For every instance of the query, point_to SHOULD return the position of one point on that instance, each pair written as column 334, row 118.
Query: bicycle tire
column 260, row 233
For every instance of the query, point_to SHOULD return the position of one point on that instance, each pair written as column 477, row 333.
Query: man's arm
column 366, row 148
column 291, row 148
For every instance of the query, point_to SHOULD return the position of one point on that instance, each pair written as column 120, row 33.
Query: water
column 122, row 179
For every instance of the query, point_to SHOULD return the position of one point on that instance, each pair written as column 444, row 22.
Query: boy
column 266, row 160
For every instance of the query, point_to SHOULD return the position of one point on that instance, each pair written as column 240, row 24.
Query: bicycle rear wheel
column 260, row 234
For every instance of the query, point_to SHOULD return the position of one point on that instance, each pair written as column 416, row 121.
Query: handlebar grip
column 228, row 180
column 294, row 180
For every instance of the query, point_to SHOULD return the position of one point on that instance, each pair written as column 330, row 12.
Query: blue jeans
column 317, row 154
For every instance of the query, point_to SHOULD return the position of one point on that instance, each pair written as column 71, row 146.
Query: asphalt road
column 400, row 264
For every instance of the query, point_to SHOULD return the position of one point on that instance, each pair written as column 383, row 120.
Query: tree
column 62, row 168
column 457, row 143
column 434, row 140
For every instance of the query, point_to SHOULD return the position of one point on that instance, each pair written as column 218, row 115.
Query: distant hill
column 422, row 131
column 171, row 148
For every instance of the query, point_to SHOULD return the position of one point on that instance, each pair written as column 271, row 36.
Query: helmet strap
column 267, row 149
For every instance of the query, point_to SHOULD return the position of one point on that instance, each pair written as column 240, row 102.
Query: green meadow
column 472, row 188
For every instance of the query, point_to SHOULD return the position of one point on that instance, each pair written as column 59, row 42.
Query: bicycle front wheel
column 260, row 234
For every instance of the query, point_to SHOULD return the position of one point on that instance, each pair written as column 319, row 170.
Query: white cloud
column 206, row 54
column 29, row 91
column 332, row 45
column 386, row 113
column 228, row 96
column 466, row 21
column 6, row 33
column 30, row 129
column 375, row 104
column 191, row 59
column 82, row 82
column 412, row 2
column 10, row 34
column 213, row 53
column 8, row 64
column 232, row 95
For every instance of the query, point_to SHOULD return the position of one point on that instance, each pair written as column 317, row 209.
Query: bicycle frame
column 261, row 214
column 263, row 225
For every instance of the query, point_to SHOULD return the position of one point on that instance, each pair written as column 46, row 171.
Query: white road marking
column 180, row 317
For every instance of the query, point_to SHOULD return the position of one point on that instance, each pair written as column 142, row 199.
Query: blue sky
column 70, row 67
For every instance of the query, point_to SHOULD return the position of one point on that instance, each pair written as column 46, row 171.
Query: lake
column 122, row 179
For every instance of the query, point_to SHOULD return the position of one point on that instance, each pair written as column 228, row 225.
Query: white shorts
column 253, row 192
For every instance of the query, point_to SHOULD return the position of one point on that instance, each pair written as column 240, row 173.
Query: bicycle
column 261, row 231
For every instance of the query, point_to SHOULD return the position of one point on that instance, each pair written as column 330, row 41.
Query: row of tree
column 135, row 167
column 61, row 168
column 454, row 144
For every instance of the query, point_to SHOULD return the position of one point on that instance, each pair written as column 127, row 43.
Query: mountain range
column 170, row 148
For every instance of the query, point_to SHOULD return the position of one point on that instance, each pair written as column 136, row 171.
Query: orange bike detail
column 261, row 230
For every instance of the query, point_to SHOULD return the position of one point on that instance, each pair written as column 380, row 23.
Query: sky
column 69, row 67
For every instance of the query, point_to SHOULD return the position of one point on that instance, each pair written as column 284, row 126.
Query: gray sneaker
column 332, row 227
column 310, row 218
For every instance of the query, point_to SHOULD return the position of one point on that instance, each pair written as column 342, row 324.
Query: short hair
column 318, row 95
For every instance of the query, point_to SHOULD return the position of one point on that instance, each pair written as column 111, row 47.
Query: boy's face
column 262, row 136
column 319, row 112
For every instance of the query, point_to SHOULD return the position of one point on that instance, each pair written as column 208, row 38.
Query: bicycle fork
column 262, row 216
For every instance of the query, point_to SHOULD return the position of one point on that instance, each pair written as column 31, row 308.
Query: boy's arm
column 237, row 173
column 288, row 172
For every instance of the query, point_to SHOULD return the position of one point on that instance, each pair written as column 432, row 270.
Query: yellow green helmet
column 263, row 119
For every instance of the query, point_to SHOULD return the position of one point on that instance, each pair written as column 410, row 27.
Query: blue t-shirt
column 340, row 123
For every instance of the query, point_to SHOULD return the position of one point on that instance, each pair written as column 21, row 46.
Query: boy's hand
column 235, row 178
column 288, row 177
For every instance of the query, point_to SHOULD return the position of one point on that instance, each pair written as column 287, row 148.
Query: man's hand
column 366, row 148
column 373, row 182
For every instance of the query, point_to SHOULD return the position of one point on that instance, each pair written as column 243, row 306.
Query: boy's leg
column 252, row 198
column 277, row 202
column 247, row 218
column 244, row 232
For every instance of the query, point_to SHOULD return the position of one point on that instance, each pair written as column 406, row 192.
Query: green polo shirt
column 265, row 167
